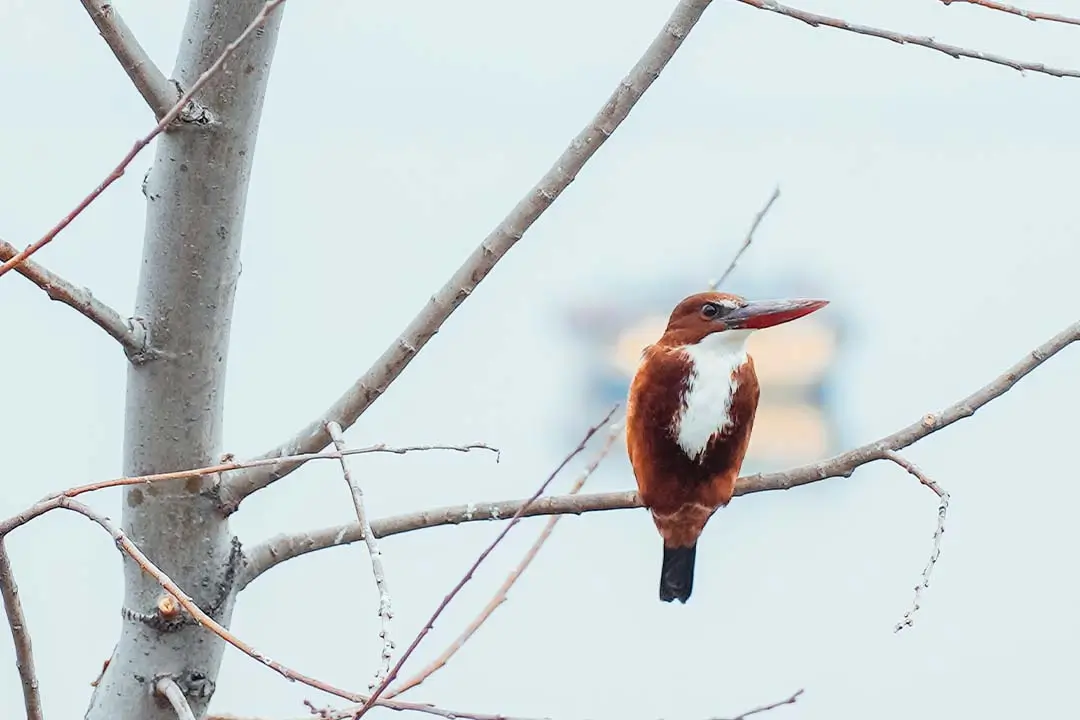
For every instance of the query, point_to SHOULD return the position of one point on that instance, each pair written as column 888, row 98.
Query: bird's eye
column 710, row 310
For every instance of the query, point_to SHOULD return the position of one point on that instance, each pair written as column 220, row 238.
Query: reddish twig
column 132, row 339
column 373, row 383
column 52, row 501
column 714, row 284
column 142, row 142
column 929, row 43
column 1020, row 12
column 24, row 651
column 500, row 595
column 386, row 612
column 943, row 507
column 377, row 693
column 129, row 548
column 277, row 550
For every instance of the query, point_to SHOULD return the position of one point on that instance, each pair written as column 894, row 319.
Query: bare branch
column 132, row 338
column 771, row 706
column 24, row 651
column 167, row 688
column 943, row 507
column 386, row 612
column 279, row 549
column 230, row 505
column 118, row 171
column 51, row 502
column 373, row 383
column 151, row 83
column 472, row 569
column 500, row 595
column 929, row 43
column 1013, row 10
column 714, row 284
column 129, row 548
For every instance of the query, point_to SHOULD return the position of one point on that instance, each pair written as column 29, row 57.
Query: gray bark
column 196, row 193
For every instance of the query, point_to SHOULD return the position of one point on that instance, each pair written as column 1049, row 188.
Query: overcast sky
column 935, row 200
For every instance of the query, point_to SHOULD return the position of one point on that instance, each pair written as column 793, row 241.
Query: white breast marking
column 710, row 388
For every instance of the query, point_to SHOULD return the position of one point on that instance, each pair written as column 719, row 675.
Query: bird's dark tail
column 677, row 573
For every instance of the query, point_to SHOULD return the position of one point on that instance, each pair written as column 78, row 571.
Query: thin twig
column 1013, row 10
column 943, row 507
column 83, row 301
column 51, row 502
column 386, row 611
column 954, row 51
column 142, row 142
column 377, row 693
column 24, row 651
column 167, row 688
column 500, row 595
column 714, row 284
column 279, row 549
column 771, row 706
column 151, row 83
column 373, row 383
column 129, row 548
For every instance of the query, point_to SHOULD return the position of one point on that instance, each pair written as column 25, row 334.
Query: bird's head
column 729, row 319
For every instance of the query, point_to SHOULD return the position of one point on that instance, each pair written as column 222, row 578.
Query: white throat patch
column 710, row 389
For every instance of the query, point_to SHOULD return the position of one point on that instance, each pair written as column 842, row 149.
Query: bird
column 690, row 412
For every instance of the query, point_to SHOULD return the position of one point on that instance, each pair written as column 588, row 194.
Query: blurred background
column 932, row 199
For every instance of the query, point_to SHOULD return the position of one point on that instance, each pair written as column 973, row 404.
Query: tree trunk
column 196, row 193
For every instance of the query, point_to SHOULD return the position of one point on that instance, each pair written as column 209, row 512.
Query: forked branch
column 373, row 383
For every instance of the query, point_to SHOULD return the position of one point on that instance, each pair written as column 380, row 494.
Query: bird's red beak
column 758, row 314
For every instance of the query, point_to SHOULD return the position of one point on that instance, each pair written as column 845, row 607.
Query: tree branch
column 151, row 83
column 714, row 284
column 125, row 545
column 943, row 508
column 118, row 172
column 51, row 502
column 131, row 337
column 430, row 624
column 386, row 612
column 929, row 43
column 284, row 547
column 24, row 651
column 373, row 383
column 500, row 595
column 167, row 688
column 1012, row 10
column 195, row 194
column 771, row 706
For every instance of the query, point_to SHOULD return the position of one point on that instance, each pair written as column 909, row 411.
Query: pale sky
column 931, row 197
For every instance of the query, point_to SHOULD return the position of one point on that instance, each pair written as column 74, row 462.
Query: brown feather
column 681, row 492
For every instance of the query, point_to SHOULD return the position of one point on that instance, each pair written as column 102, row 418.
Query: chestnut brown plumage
column 689, row 417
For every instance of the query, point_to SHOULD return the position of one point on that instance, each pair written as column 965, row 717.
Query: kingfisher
column 689, row 416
